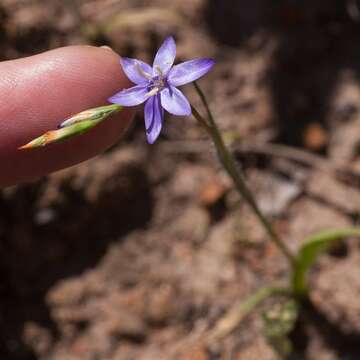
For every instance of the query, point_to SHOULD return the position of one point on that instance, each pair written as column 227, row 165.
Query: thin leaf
column 229, row 322
column 313, row 246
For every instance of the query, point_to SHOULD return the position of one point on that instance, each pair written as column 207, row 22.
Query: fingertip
column 40, row 91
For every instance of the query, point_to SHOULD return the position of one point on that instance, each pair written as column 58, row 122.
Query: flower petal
column 136, row 70
column 174, row 101
column 154, row 115
column 165, row 57
column 189, row 71
column 130, row 97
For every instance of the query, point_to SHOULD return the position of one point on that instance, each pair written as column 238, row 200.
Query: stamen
column 153, row 92
column 142, row 72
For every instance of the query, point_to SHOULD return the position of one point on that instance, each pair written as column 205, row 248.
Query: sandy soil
column 138, row 253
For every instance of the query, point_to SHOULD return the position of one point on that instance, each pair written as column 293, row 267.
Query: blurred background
column 137, row 253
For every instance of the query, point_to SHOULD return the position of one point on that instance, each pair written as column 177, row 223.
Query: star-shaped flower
column 156, row 86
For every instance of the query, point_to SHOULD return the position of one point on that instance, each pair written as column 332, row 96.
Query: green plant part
column 313, row 246
column 230, row 321
column 75, row 125
column 279, row 321
column 229, row 163
column 278, row 324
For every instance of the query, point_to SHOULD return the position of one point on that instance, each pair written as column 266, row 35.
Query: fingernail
column 106, row 47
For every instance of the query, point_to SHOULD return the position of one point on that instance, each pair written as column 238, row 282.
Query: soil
column 139, row 252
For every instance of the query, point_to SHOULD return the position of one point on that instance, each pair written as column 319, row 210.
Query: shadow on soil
column 37, row 251
column 346, row 345
column 316, row 42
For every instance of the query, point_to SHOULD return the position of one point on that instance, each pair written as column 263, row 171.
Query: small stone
column 37, row 337
column 195, row 352
column 211, row 192
column 279, row 194
column 193, row 224
column 161, row 305
column 44, row 216
column 315, row 137
column 124, row 324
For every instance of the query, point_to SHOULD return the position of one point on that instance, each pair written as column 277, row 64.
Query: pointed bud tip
column 31, row 145
column 26, row 146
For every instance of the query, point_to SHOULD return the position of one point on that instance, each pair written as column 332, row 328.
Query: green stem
column 229, row 163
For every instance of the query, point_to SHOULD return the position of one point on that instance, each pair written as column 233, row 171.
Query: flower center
column 157, row 83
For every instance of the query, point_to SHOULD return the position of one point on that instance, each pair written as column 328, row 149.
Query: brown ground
column 137, row 253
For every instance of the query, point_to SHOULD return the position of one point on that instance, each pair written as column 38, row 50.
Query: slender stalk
column 200, row 119
column 229, row 163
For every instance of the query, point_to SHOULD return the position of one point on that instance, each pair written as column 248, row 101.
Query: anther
column 142, row 72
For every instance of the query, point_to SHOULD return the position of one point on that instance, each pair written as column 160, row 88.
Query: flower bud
column 98, row 113
column 74, row 126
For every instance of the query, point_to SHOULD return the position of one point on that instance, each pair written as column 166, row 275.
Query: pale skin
column 39, row 92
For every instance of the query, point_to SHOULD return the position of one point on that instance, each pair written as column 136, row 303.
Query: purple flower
column 156, row 86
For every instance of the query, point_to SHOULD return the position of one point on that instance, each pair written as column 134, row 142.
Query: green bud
column 74, row 126
column 98, row 113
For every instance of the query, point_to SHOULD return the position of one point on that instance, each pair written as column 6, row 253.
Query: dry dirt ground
column 139, row 252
